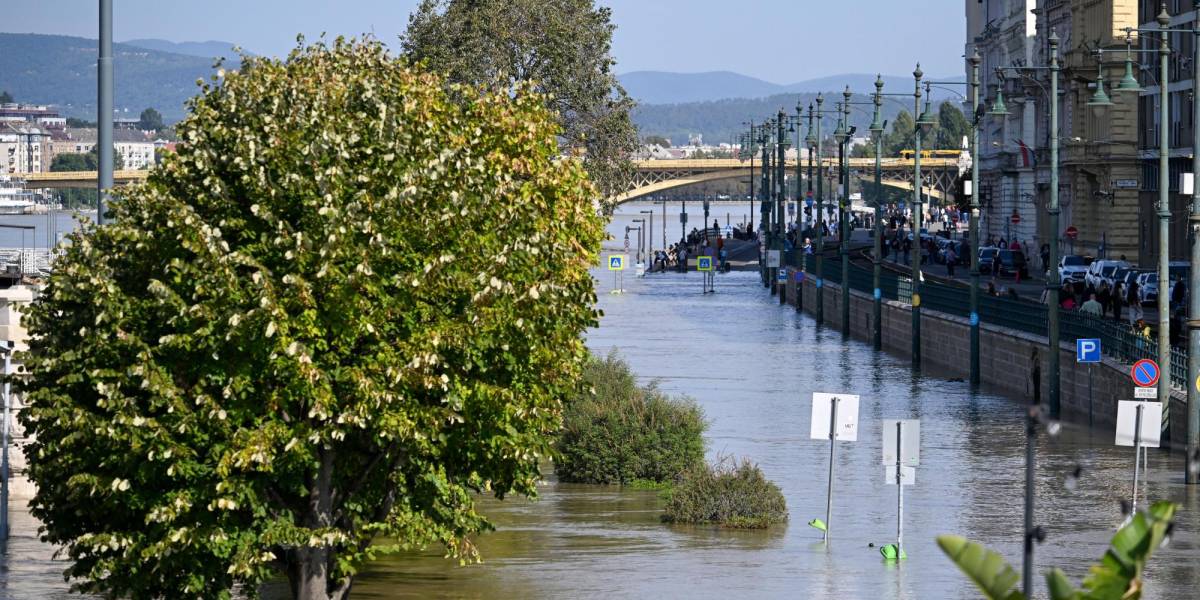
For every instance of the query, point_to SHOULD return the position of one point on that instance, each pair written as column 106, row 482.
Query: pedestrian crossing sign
column 616, row 262
column 704, row 263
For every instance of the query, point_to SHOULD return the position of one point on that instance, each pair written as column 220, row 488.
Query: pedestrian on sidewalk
column 1092, row 307
column 1118, row 296
column 951, row 258
column 1132, row 301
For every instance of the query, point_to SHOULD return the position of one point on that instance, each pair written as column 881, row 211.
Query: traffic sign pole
column 899, row 489
column 1137, row 453
column 832, row 445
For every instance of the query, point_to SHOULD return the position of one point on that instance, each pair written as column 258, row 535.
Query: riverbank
column 1009, row 358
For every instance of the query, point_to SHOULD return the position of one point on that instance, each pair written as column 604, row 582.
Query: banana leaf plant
column 1118, row 576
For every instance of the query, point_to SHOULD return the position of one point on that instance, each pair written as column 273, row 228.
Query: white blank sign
column 846, row 427
column 908, row 475
column 1151, row 422
column 910, row 451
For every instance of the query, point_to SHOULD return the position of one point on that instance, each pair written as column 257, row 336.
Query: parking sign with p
column 1087, row 350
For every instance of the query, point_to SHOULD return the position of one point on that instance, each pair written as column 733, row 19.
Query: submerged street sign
column 845, row 429
column 910, row 442
column 616, row 262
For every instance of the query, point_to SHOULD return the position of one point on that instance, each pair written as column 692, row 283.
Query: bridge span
column 654, row 176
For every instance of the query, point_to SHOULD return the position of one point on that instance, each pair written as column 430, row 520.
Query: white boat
column 14, row 199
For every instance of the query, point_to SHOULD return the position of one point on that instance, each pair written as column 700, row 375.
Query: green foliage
column 6, row 98
column 1118, row 576
column 89, row 161
column 951, row 128
column 727, row 494
column 349, row 304
column 987, row 569
column 561, row 46
column 618, row 432
column 901, row 135
column 150, row 120
column 80, row 123
column 657, row 139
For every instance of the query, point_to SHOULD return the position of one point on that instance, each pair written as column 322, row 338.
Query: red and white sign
column 1015, row 218
column 1071, row 232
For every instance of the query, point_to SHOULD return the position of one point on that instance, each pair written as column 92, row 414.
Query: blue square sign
column 1087, row 350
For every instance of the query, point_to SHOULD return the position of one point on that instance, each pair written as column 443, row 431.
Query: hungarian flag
column 1028, row 157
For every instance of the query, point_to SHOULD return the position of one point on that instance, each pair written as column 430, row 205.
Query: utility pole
column 844, row 220
column 973, row 218
column 819, row 249
column 877, row 128
column 781, row 142
column 1052, row 282
column 764, row 186
column 1164, row 224
column 916, row 224
column 104, row 111
column 1193, row 289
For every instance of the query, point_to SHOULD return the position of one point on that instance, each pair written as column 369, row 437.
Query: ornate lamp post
column 878, row 125
column 924, row 124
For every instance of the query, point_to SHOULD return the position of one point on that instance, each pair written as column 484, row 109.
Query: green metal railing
column 1116, row 338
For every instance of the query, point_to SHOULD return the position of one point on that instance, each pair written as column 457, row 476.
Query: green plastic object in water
column 818, row 525
column 889, row 552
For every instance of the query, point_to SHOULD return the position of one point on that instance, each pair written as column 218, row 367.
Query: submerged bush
column 619, row 432
column 728, row 494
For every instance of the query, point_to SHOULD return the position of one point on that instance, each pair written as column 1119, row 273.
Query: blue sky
column 761, row 38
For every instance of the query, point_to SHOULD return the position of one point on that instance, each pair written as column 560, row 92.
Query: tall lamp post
column 878, row 125
column 1193, row 397
column 819, row 249
column 842, row 137
column 924, row 123
column 973, row 218
column 1099, row 99
column 781, row 144
column 104, row 111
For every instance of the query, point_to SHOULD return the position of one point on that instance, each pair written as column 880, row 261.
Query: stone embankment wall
column 1006, row 357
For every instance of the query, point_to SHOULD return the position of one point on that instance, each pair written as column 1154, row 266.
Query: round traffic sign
column 1015, row 218
column 1145, row 373
column 1071, row 232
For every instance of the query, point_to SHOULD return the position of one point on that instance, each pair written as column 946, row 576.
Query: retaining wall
column 1006, row 356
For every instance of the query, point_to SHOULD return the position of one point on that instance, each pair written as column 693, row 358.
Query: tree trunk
column 308, row 572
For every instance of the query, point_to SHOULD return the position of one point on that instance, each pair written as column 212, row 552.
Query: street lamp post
column 844, row 221
column 819, row 249
column 1164, row 220
column 973, row 219
column 764, row 186
column 649, row 232
column 1193, row 288
column 781, row 143
column 877, row 129
column 104, row 111
column 923, row 124
column 1052, row 211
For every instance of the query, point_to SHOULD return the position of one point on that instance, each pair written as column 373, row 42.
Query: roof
column 88, row 135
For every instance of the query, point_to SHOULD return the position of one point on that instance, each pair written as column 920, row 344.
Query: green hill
column 61, row 70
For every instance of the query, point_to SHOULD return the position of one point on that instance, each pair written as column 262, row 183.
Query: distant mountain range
column 61, row 70
column 209, row 49
column 658, row 87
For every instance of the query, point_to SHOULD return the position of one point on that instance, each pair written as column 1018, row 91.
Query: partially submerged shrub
column 729, row 494
column 617, row 431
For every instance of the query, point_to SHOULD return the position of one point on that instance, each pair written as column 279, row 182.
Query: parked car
column 1102, row 270
column 1011, row 262
column 1072, row 268
column 1148, row 288
column 987, row 257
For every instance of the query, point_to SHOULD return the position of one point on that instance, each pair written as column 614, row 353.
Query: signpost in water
column 834, row 417
column 901, row 455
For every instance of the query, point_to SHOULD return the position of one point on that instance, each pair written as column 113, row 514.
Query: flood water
column 753, row 366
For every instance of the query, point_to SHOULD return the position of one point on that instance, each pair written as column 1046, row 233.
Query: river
column 753, row 366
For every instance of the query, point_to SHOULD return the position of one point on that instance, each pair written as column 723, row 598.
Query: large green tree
column 901, row 136
column 352, row 301
column 952, row 127
column 150, row 120
column 562, row 46
column 6, row 98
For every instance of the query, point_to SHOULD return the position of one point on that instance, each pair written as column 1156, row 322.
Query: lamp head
column 926, row 121
column 998, row 108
